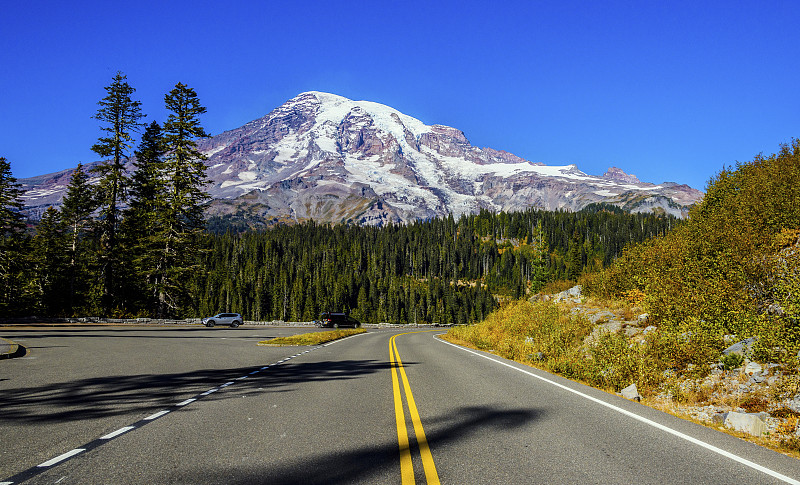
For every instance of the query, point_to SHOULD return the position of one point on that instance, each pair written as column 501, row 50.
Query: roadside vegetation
column 313, row 338
column 550, row 336
column 730, row 273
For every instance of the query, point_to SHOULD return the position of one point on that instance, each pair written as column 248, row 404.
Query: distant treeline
column 436, row 271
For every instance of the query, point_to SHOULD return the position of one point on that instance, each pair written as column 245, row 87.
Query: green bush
column 737, row 254
column 731, row 361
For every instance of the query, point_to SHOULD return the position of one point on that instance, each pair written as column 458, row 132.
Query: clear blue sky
column 669, row 91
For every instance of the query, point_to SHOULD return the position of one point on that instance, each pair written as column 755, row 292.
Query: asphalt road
column 195, row 405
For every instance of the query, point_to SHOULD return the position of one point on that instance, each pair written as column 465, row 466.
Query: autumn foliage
column 733, row 268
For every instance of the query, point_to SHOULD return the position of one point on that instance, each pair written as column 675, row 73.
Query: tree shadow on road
column 136, row 394
column 367, row 464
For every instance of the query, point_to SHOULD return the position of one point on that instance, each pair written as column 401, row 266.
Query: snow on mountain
column 326, row 157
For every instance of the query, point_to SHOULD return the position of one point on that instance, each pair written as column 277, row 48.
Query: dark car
column 336, row 320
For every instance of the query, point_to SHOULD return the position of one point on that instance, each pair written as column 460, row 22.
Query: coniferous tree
column 181, row 219
column 11, row 219
column 51, row 262
column 573, row 261
column 120, row 116
column 12, row 240
column 140, row 225
column 76, row 214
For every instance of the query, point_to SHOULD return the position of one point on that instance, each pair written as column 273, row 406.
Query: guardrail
column 165, row 321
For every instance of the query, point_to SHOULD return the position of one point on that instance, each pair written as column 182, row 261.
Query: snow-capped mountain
column 326, row 157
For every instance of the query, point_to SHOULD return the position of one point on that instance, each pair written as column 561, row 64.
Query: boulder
column 632, row 393
column 753, row 369
column 612, row 326
column 601, row 317
column 572, row 295
column 741, row 348
column 794, row 403
column 750, row 423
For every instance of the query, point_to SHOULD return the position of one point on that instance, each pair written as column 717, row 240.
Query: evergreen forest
column 443, row 271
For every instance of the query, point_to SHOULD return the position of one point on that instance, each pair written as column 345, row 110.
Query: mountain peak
column 326, row 157
column 617, row 175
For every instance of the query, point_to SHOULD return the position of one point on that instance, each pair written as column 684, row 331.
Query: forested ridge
column 437, row 271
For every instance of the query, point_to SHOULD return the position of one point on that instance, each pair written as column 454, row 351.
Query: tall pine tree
column 76, row 213
column 50, row 263
column 181, row 217
column 120, row 116
column 140, row 226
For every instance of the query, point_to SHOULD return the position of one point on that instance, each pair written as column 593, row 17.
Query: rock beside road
column 750, row 423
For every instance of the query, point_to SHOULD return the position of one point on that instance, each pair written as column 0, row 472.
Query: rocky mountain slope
column 326, row 157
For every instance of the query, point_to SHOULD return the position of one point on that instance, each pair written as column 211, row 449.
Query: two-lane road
column 195, row 405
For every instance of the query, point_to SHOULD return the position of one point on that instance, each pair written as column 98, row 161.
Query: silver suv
column 232, row 319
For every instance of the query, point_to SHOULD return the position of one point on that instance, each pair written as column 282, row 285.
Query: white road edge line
column 61, row 458
column 117, row 432
column 635, row 416
column 341, row 340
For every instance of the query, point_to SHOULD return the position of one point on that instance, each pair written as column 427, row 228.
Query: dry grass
column 313, row 338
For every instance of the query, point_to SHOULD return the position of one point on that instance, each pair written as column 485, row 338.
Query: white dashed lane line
column 156, row 415
column 31, row 472
column 116, row 433
column 60, row 458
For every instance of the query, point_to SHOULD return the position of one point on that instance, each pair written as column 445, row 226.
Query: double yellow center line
column 406, row 466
